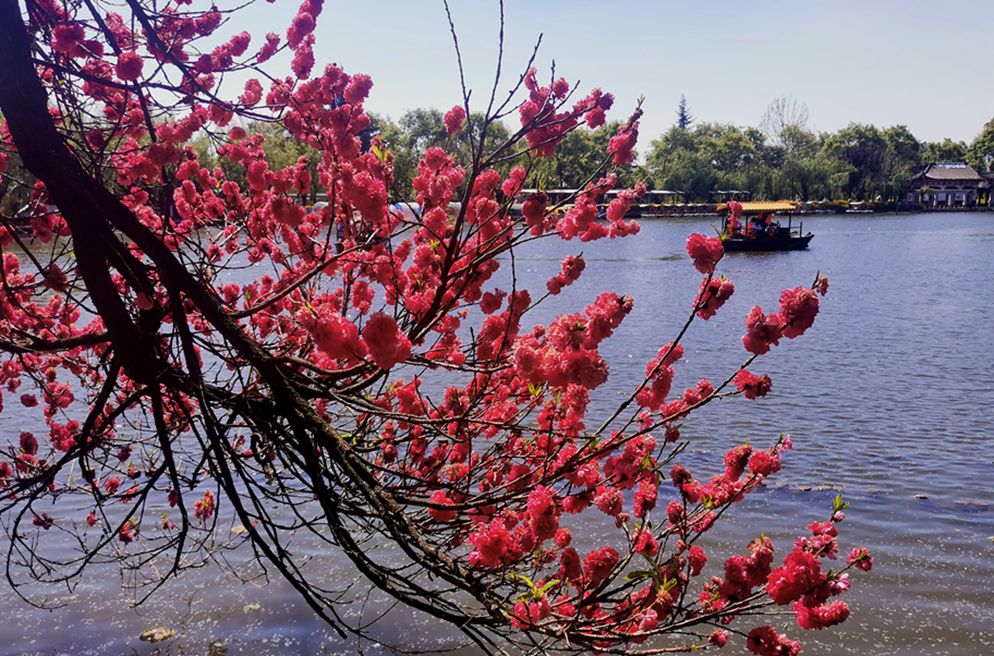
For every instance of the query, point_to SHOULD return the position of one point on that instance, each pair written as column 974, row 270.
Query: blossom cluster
column 363, row 366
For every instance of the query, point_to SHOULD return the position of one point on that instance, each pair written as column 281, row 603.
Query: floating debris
column 217, row 649
column 157, row 634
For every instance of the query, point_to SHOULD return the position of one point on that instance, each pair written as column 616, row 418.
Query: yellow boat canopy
column 765, row 206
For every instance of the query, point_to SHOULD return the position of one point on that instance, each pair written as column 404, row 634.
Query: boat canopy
column 758, row 207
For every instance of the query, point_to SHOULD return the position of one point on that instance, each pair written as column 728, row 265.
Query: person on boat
column 757, row 225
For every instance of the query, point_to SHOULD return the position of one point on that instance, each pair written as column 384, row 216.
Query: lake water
column 889, row 399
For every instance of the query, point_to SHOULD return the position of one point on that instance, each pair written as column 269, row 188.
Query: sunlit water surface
column 889, row 399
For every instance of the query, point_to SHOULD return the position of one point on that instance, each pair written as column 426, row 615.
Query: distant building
column 950, row 184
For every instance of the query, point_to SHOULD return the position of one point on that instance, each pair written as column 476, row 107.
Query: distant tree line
column 780, row 158
column 783, row 158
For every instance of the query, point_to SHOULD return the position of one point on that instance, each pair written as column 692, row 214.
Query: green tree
column 980, row 154
column 709, row 157
column 577, row 158
column 902, row 159
column 946, row 150
column 863, row 148
column 676, row 163
column 420, row 129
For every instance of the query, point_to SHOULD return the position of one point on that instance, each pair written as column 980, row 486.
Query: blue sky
column 926, row 65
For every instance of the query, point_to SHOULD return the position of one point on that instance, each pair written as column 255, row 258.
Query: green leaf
column 545, row 588
column 838, row 504
column 638, row 574
column 514, row 576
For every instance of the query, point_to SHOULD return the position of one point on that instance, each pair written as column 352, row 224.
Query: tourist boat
column 756, row 226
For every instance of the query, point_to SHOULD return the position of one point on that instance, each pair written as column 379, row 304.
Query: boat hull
column 792, row 243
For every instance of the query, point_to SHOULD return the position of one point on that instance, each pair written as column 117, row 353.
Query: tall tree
column 784, row 120
column 684, row 119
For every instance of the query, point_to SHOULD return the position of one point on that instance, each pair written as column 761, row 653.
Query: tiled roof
column 950, row 171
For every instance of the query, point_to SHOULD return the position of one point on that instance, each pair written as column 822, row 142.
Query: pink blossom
column 762, row 331
column 800, row 573
column 269, row 48
column 705, row 251
column 357, row 90
column 67, row 37
column 595, row 117
column 494, row 546
column 303, row 59
column 543, row 513
column 764, row 463
column 337, row 337
column 240, row 43
column 645, row 496
column 598, row 565
column 127, row 533
column 454, row 119
column 622, row 145
column 751, row 385
column 129, row 66
column 608, row 500
column 300, row 27
column 821, row 284
column 387, row 344
column 861, row 558
column 529, row 613
column 712, row 296
column 570, row 269
column 29, row 444
column 441, row 498
column 697, row 558
column 765, row 641
column 736, row 461
column 252, row 94
column 533, row 211
column 820, row 617
column 798, row 308
column 646, row 543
